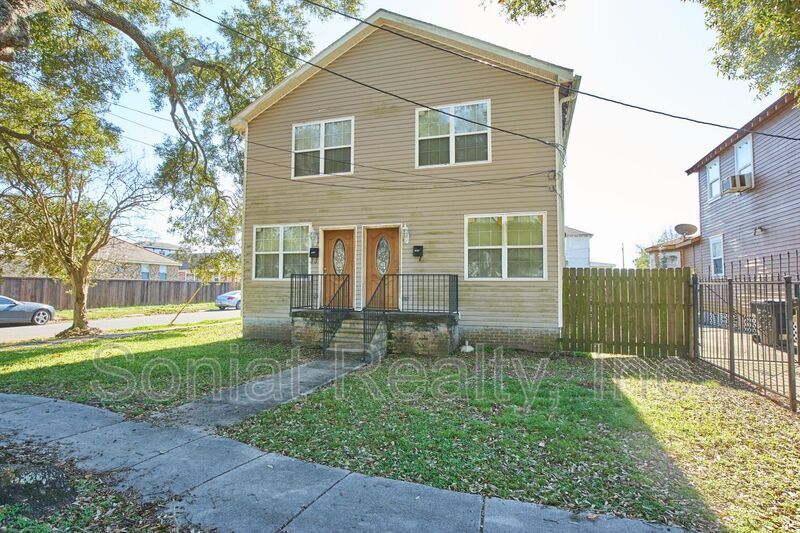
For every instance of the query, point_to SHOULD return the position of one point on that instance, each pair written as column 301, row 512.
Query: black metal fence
column 312, row 291
column 422, row 293
column 747, row 326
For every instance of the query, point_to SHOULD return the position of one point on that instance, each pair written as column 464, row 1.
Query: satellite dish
column 685, row 230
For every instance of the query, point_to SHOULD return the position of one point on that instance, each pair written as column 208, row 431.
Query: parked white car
column 230, row 299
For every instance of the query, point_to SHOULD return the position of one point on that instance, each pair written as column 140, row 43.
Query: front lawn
column 658, row 440
column 142, row 373
column 137, row 310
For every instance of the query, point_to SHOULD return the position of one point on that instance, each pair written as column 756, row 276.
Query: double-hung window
column 280, row 251
column 506, row 246
column 717, row 256
column 743, row 156
column 713, row 179
column 443, row 139
column 162, row 272
column 144, row 272
column 324, row 147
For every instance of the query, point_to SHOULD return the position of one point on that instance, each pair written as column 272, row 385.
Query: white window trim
column 322, row 147
column 711, row 197
column 280, row 277
column 747, row 138
column 711, row 241
column 452, row 135
column 505, row 246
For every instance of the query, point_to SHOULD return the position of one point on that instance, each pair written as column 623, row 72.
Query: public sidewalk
column 214, row 482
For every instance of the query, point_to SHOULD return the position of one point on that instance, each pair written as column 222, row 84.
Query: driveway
column 30, row 332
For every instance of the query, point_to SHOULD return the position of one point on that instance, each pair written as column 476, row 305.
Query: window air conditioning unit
column 739, row 182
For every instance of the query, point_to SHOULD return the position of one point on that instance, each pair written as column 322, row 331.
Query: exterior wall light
column 405, row 233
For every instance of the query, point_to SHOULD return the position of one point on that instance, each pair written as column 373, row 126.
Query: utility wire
column 485, row 181
column 548, row 82
column 464, row 183
column 553, row 144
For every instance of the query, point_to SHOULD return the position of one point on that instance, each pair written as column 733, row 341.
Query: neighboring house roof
column 674, row 244
column 572, row 232
column 121, row 251
column 487, row 52
column 159, row 244
column 773, row 109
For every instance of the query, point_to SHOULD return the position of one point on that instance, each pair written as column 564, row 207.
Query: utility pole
column 623, row 255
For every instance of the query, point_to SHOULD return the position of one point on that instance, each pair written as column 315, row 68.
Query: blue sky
column 624, row 180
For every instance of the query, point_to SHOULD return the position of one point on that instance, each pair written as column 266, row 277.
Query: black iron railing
column 374, row 311
column 422, row 293
column 409, row 293
column 312, row 291
column 335, row 310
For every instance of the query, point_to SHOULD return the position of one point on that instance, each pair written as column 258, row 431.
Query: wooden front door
column 382, row 251
column 339, row 250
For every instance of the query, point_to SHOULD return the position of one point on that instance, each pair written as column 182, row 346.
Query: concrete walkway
column 230, row 406
column 28, row 332
column 213, row 482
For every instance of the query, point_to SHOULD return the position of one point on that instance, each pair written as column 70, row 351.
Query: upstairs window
column 713, row 179
column 443, row 139
column 320, row 148
column 743, row 156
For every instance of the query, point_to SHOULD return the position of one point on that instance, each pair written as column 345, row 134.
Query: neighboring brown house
column 749, row 195
column 414, row 208
column 119, row 259
column 675, row 253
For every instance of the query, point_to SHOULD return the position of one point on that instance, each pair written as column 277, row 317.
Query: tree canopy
column 757, row 40
column 94, row 51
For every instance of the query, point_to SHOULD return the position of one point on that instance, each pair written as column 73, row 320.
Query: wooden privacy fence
column 637, row 312
column 112, row 292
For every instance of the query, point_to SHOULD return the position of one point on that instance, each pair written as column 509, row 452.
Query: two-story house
column 749, row 197
column 395, row 189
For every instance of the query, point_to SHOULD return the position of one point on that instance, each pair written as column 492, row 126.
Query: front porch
column 408, row 313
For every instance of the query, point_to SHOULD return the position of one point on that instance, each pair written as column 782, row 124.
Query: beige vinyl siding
column 384, row 137
column 774, row 202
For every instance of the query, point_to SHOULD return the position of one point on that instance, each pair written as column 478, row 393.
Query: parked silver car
column 14, row 312
column 230, row 299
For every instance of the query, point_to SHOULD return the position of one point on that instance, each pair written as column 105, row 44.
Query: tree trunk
column 80, row 291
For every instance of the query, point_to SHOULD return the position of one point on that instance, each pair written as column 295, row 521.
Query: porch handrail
column 335, row 310
column 374, row 312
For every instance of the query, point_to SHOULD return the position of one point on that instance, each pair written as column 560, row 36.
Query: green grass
column 137, row 310
column 142, row 373
column 683, row 449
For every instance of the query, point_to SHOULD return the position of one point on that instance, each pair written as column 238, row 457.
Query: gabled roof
column 767, row 114
column 489, row 52
column 572, row 232
column 159, row 244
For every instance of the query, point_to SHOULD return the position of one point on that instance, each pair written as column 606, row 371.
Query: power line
column 464, row 183
column 485, row 181
column 548, row 82
column 553, row 144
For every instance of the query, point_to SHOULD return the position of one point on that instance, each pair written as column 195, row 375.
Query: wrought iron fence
column 747, row 327
column 422, row 293
column 312, row 291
